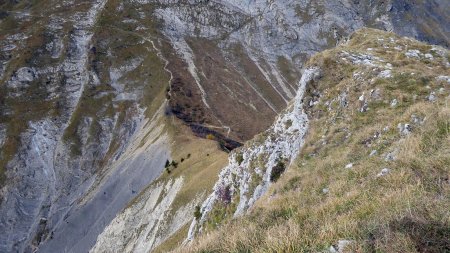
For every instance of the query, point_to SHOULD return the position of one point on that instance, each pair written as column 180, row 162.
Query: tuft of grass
column 239, row 158
column 210, row 137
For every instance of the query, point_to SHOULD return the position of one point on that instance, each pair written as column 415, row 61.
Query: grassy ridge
column 323, row 199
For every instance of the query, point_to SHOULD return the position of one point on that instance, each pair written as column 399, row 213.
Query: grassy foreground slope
column 373, row 175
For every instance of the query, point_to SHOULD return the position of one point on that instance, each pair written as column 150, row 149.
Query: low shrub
column 277, row 170
column 197, row 212
column 224, row 194
column 239, row 158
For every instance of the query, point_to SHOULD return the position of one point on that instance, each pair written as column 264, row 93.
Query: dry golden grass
column 199, row 162
column 407, row 210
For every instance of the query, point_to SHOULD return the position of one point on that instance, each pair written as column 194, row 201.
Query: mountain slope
column 90, row 91
column 254, row 49
column 373, row 174
column 166, row 205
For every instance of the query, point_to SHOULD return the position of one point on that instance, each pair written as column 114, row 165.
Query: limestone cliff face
column 86, row 88
column 253, row 168
column 144, row 225
column 78, row 143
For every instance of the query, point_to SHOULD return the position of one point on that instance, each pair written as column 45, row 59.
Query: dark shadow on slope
column 428, row 237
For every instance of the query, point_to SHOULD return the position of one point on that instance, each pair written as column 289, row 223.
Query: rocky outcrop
column 254, row 167
column 39, row 183
column 106, row 195
column 145, row 224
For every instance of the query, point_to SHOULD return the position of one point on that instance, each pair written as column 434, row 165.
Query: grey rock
column 404, row 129
column 444, row 79
column 332, row 249
column 25, row 74
column 416, row 119
column 364, row 107
column 343, row 102
column 376, row 94
column 391, row 156
column 432, row 97
column 383, row 172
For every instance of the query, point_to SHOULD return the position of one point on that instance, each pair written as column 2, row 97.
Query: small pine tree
column 167, row 164
column 197, row 212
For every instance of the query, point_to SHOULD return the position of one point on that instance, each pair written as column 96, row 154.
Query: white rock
column 443, row 78
column 342, row 244
column 385, row 74
column 429, row 56
column 413, row 53
column 349, row 166
column 394, row 102
column 384, row 172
